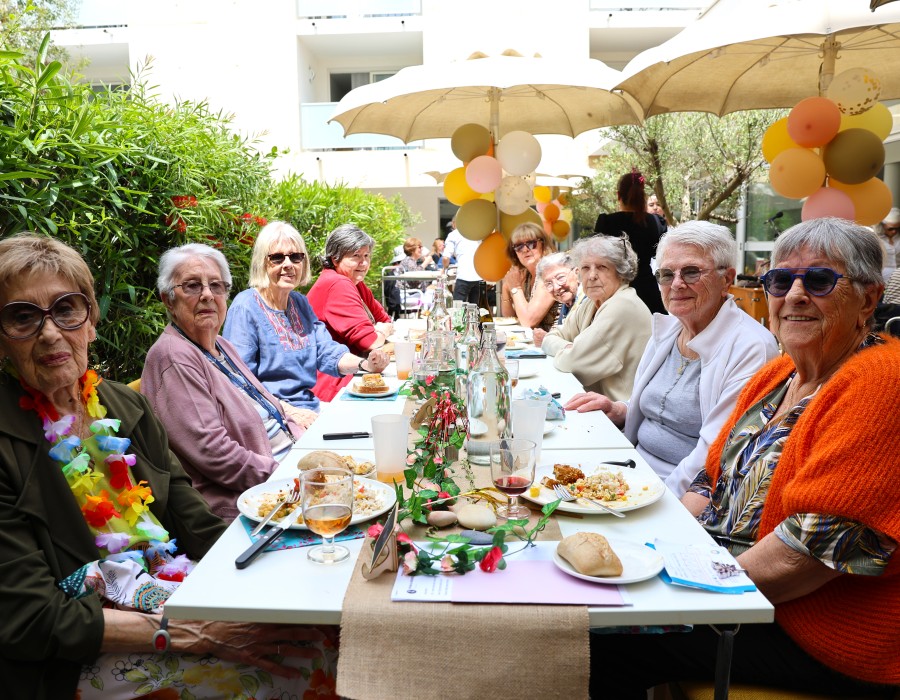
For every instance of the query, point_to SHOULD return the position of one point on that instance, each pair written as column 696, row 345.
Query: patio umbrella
column 503, row 93
column 760, row 54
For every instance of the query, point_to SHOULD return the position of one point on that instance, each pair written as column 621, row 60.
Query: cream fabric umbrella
column 759, row 54
column 503, row 93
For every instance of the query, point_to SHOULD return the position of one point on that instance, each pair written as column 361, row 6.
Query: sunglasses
column 278, row 258
column 193, row 288
column 689, row 274
column 21, row 319
column 530, row 245
column 818, row 281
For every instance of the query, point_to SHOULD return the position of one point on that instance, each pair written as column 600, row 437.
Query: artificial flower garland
column 111, row 502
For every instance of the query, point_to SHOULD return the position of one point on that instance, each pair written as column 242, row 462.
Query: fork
column 291, row 498
column 564, row 494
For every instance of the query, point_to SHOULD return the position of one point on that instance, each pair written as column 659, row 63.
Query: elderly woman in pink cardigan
column 224, row 426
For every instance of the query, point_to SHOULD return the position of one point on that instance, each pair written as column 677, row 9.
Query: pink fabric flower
column 410, row 562
column 447, row 563
column 375, row 530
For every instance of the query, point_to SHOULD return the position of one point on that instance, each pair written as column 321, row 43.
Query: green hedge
column 122, row 176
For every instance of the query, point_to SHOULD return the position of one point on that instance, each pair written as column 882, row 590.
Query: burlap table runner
column 391, row 651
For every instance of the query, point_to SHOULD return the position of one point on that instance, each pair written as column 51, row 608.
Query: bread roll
column 320, row 458
column 590, row 554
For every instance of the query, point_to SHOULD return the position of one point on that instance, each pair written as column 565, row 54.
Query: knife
column 345, row 436
column 630, row 463
column 243, row 561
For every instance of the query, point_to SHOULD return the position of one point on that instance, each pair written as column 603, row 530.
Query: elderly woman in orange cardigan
column 801, row 486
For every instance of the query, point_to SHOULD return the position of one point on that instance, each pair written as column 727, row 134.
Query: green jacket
column 46, row 636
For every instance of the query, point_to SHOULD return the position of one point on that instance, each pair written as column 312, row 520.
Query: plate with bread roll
column 615, row 487
column 373, row 386
column 592, row 557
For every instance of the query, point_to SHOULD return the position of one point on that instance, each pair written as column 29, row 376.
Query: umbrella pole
column 494, row 125
column 829, row 55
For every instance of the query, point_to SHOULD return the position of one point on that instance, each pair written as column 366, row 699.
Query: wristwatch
column 360, row 367
column 161, row 638
column 515, row 290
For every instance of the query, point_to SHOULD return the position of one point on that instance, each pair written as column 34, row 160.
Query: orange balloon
column 561, row 229
column 814, row 121
column 551, row 212
column 872, row 199
column 563, row 199
column 456, row 189
column 491, row 262
column 796, row 173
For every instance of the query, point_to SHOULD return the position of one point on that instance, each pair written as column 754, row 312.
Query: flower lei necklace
column 114, row 506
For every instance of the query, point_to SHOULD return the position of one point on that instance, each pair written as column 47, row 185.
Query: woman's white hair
column 713, row 239
column 615, row 249
column 174, row 258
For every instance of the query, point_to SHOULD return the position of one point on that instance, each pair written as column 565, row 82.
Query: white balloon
column 512, row 195
column 519, row 153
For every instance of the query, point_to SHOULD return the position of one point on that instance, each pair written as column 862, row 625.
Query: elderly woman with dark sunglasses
column 524, row 294
column 343, row 302
column 801, row 486
column 276, row 331
column 698, row 358
column 100, row 522
column 226, row 428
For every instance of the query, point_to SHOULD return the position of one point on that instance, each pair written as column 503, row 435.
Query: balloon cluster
column 830, row 149
column 495, row 190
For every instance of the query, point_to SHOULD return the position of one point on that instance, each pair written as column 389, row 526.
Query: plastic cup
column 404, row 354
column 528, row 416
column 390, row 433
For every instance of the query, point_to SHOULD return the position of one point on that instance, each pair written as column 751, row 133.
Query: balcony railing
column 355, row 9
column 316, row 134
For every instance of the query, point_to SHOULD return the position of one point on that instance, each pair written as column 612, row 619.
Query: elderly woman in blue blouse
column 276, row 332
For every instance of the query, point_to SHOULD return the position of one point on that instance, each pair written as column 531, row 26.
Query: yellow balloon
column 542, row 194
column 872, row 199
column 456, row 189
column 470, row 141
column 476, row 219
column 776, row 140
column 878, row 120
column 508, row 222
column 796, row 173
column 566, row 215
column 489, row 196
column 491, row 261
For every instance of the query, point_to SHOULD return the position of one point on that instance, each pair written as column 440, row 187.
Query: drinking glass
column 404, row 355
column 512, row 471
column 327, row 498
column 512, row 369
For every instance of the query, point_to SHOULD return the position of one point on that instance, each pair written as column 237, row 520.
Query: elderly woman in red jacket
column 344, row 303
column 801, row 487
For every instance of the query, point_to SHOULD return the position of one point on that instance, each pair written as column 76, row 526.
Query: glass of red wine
column 512, row 471
column 327, row 498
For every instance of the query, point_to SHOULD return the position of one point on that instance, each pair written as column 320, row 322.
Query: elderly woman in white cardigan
column 697, row 361
column 602, row 339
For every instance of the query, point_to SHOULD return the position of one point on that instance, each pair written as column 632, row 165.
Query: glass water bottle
column 439, row 319
column 467, row 349
column 488, row 394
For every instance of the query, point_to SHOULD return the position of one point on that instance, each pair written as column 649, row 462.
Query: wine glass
column 327, row 498
column 512, row 369
column 512, row 471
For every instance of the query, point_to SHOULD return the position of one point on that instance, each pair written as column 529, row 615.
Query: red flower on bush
column 184, row 201
column 177, row 223
column 489, row 563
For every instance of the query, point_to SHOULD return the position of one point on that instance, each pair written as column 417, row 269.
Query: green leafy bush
column 122, row 177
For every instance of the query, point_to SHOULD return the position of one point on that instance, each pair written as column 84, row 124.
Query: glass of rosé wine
column 327, row 498
column 512, row 471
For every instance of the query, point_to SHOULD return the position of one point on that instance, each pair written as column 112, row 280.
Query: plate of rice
column 371, row 499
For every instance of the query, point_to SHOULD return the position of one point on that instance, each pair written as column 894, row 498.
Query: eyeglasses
column 193, row 288
column 21, row 319
column 278, row 258
column 818, row 281
column 892, row 228
column 689, row 274
column 531, row 245
column 558, row 280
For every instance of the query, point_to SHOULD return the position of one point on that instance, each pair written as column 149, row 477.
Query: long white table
column 284, row 586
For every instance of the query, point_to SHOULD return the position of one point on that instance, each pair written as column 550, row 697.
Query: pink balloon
column 540, row 206
column 483, row 174
column 828, row 201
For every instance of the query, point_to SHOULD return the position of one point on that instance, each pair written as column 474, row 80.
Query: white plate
column 549, row 427
column 643, row 489
column 639, row 563
column 505, row 321
column 392, row 384
column 248, row 502
column 527, row 370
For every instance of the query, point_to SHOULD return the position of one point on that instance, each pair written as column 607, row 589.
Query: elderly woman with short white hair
column 602, row 340
column 223, row 424
column 276, row 331
column 697, row 361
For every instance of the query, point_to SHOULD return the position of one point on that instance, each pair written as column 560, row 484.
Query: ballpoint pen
column 345, row 436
